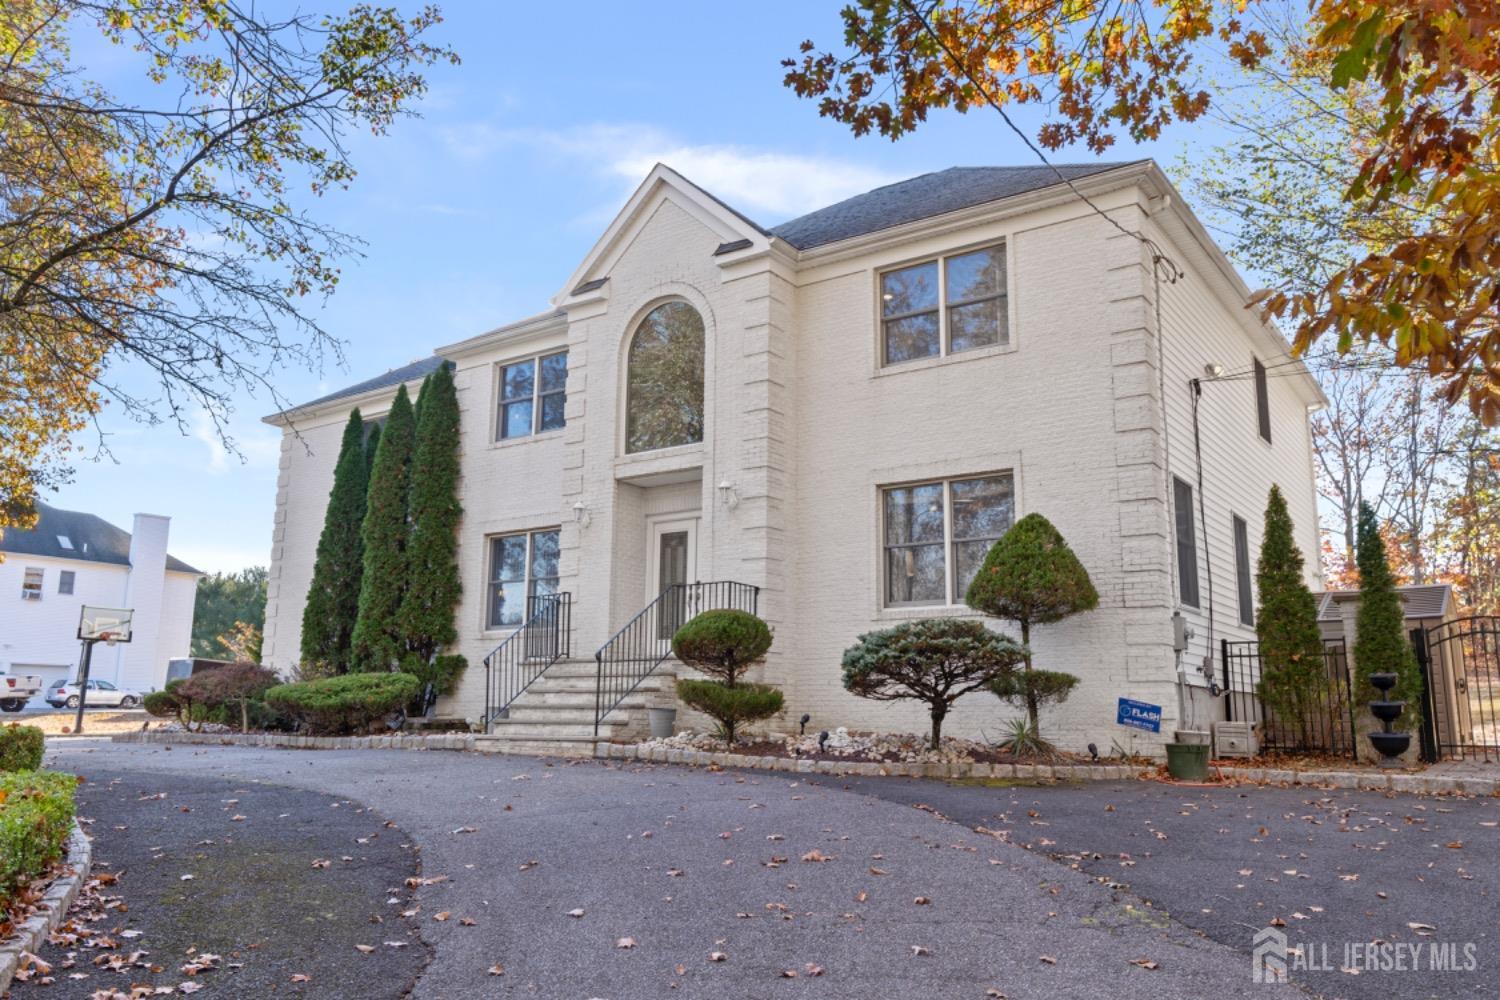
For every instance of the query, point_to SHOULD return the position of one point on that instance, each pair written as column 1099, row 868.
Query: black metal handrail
column 515, row 664
column 645, row 641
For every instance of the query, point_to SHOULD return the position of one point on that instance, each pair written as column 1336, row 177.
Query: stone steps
column 555, row 715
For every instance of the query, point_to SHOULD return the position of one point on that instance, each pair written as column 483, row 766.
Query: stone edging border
column 1364, row 781
column 33, row 931
column 399, row 741
column 1422, row 784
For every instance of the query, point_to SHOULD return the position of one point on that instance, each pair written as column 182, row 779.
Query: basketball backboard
column 105, row 624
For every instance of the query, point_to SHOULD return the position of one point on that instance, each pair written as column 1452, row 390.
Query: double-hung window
column 936, row 535
column 532, row 395
column 65, row 581
column 1262, row 401
column 1242, row 569
column 944, row 306
column 523, row 567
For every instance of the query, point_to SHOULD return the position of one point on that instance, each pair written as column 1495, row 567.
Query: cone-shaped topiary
column 724, row 644
column 935, row 660
column 1292, row 672
column 377, row 641
column 333, row 596
column 432, row 584
column 1031, row 577
column 1380, row 642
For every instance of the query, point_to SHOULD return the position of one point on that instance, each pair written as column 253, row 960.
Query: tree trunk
column 939, row 712
column 1031, row 706
column 244, row 715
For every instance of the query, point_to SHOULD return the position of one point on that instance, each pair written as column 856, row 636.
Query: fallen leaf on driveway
column 1048, row 959
column 497, row 969
column 812, row 969
column 922, row 901
column 364, row 948
column 1144, row 963
column 444, row 915
column 466, row 922
column 625, row 942
column 321, row 863
column 815, row 855
column 917, row 949
column 467, row 829
column 1423, row 929
column 298, row 977
column 717, row 956
column 575, row 913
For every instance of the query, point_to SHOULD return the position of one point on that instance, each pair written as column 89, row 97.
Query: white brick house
column 887, row 384
column 70, row 559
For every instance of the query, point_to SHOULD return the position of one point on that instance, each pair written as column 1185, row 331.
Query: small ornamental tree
column 1031, row 577
column 724, row 644
column 376, row 642
column 1286, row 624
column 432, row 584
column 234, row 685
column 333, row 596
column 935, row 660
column 1380, row 642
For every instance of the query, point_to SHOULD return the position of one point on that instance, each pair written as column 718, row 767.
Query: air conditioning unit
column 1234, row 739
column 31, row 595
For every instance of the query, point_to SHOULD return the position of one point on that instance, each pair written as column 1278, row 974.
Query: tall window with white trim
column 532, row 396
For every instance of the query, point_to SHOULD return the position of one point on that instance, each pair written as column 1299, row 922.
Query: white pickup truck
column 16, row 690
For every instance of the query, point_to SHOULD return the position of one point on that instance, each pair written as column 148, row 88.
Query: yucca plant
column 1022, row 740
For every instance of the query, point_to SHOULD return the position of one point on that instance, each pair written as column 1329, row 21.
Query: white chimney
column 144, row 595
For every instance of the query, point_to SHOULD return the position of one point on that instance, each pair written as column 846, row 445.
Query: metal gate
column 1460, row 663
column 1327, row 726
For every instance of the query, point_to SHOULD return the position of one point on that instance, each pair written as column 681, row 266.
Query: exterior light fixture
column 1213, row 369
column 581, row 513
column 728, row 494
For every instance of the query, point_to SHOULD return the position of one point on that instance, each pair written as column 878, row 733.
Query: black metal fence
column 1460, row 662
column 645, row 641
column 1327, row 724
column 526, row 653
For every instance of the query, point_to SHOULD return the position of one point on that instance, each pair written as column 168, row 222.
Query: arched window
column 664, row 380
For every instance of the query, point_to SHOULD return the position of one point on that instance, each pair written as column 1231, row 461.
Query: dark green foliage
column 173, row 701
column 432, row 583
column 1380, row 642
column 730, row 706
column 333, row 596
column 20, row 748
column 1031, row 577
column 351, row 703
column 1024, row 688
column 372, row 445
column 722, row 643
column 36, row 819
column 222, row 600
column 1022, row 740
column 162, row 704
column 935, row 660
column 232, row 687
column 1293, row 678
column 441, row 672
column 376, row 642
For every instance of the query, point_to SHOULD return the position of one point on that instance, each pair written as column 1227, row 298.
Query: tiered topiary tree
column 333, row 596
column 935, row 660
column 724, row 644
column 377, row 641
column 1292, row 673
column 432, row 583
column 1380, row 642
column 1031, row 577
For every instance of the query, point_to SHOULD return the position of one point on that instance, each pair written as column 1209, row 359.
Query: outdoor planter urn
column 1390, row 744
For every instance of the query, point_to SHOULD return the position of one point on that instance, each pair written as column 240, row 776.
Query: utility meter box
column 1234, row 739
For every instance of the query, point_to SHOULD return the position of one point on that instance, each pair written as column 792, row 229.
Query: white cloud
column 258, row 447
column 779, row 185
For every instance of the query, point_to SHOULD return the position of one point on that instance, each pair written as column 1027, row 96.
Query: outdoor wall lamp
column 728, row 494
column 581, row 513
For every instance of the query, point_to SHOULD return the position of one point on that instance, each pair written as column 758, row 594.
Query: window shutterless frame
column 938, row 499
column 531, row 395
column 944, row 305
column 526, row 562
column 1187, row 543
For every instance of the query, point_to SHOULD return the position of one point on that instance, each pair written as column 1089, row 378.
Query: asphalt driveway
column 589, row 880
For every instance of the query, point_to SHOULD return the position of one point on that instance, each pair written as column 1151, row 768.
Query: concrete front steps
column 555, row 715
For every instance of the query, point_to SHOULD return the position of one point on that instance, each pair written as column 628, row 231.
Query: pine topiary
column 724, row 644
column 1380, row 642
column 935, row 661
column 333, row 595
column 1292, row 672
column 730, row 706
column 377, row 638
column 1031, row 577
column 432, row 583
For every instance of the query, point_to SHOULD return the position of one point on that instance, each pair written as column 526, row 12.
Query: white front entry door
column 673, row 555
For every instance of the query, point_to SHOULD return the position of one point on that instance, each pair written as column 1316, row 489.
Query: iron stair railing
column 631, row 655
column 515, row 664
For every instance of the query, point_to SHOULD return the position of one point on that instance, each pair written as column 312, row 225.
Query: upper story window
column 664, row 380
column 532, row 395
column 1187, row 543
column 65, row 581
column 1242, row 569
column 936, row 536
column 65, row 542
column 31, row 584
column 944, row 306
column 1262, row 401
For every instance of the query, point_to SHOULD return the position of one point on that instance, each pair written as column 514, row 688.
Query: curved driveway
column 701, row 884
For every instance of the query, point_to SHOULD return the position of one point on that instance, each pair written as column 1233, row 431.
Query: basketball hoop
column 108, row 638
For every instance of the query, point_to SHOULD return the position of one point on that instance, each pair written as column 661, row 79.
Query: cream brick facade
column 1088, row 407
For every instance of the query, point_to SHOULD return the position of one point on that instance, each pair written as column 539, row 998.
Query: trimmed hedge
column 722, row 643
column 36, row 817
column 20, row 748
column 351, row 703
column 731, row 706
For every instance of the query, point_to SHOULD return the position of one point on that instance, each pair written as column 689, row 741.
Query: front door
column 674, row 563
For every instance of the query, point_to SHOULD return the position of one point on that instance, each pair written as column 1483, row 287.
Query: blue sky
column 475, row 214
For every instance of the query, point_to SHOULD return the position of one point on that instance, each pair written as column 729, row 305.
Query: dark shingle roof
column 922, row 198
column 394, row 377
column 94, row 539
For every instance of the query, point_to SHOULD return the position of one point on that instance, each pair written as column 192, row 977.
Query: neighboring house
column 845, row 411
column 71, row 559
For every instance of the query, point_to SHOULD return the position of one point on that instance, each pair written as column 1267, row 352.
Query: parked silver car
column 102, row 694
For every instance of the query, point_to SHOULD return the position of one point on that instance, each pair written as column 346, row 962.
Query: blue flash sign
column 1139, row 715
